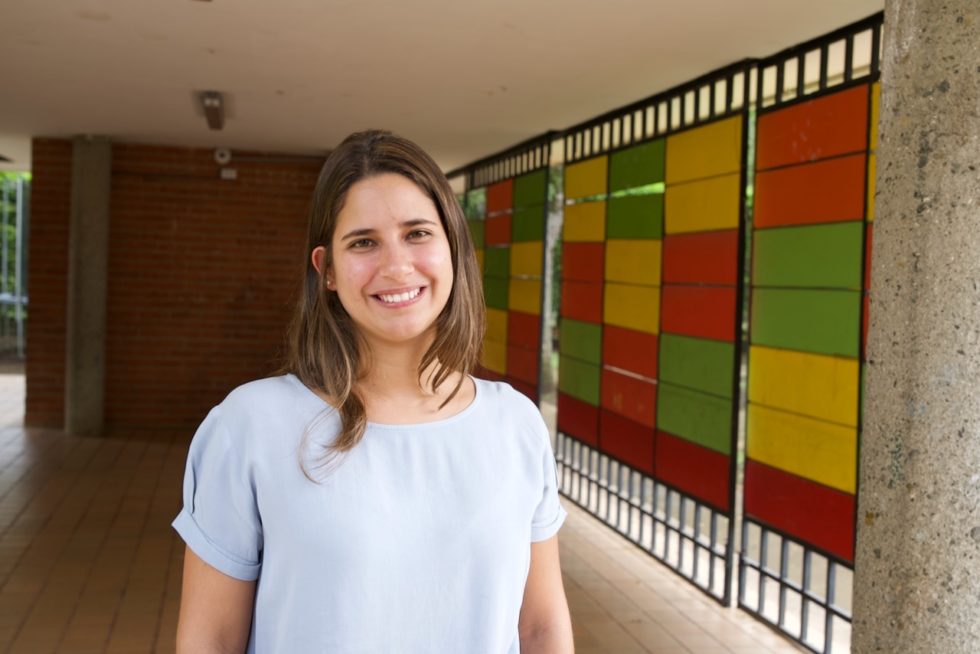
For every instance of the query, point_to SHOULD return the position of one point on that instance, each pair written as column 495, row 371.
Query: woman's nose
column 397, row 261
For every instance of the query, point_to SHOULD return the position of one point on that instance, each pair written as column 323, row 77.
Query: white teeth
column 400, row 297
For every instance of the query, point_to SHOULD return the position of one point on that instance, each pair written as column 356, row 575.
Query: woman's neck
column 393, row 371
column 393, row 391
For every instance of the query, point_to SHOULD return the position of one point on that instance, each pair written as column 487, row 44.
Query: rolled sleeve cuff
column 546, row 531
column 210, row 553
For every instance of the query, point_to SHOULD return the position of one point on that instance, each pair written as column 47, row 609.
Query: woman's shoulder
column 264, row 401
column 504, row 402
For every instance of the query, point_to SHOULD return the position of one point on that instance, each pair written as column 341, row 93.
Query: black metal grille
column 525, row 157
column 803, row 592
column 690, row 537
column 833, row 60
column 718, row 94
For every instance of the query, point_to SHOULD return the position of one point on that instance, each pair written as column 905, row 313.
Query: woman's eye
column 418, row 233
column 361, row 243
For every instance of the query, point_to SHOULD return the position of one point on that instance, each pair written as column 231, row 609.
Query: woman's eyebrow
column 367, row 231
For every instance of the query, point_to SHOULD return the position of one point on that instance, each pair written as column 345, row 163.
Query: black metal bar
column 829, row 615
column 783, row 572
column 824, row 65
column 805, row 603
column 800, row 75
column 875, row 49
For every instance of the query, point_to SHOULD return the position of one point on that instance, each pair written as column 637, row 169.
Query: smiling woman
column 374, row 496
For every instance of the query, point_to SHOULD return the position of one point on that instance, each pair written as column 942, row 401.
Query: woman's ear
column 318, row 257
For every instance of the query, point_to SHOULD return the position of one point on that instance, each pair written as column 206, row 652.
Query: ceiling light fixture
column 214, row 108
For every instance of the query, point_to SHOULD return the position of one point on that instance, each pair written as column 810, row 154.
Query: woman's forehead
column 386, row 196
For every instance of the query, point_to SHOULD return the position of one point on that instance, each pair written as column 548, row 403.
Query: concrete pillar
column 917, row 568
column 88, row 247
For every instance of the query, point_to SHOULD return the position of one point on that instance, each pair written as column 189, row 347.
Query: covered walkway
column 88, row 562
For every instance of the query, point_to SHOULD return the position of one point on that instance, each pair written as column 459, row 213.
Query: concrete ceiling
column 464, row 79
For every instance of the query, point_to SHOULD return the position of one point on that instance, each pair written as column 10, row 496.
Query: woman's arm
column 215, row 610
column 545, row 626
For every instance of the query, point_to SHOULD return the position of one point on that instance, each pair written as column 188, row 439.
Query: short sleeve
column 549, row 514
column 220, row 519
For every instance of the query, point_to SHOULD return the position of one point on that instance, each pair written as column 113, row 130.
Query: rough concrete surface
column 917, row 569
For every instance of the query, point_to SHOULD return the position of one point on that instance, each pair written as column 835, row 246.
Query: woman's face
column 392, row 268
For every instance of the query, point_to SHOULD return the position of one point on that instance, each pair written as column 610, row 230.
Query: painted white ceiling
column 464, row 79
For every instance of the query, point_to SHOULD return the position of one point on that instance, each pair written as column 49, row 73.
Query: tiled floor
column 88, row 562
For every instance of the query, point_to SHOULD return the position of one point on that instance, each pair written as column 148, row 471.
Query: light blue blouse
column 418, row 540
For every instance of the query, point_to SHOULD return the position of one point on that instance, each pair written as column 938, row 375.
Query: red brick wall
column 47, row 284
column 202, row 277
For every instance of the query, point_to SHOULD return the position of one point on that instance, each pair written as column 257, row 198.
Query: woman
column 375, row 497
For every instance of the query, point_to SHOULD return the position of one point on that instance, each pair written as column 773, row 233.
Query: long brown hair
column 322, row 343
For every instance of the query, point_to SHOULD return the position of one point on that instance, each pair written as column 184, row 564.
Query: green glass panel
column 635, row 216
column 582, row 340
column 815, row 256
column 476, row 203
column 695, row 416
column 825, row 322
column 697, row 363
column 476, row 231
column 529, row 190
column 527, row 224
column 496, row 262
column 637, row 166
column 579, row 379
column 495, row 292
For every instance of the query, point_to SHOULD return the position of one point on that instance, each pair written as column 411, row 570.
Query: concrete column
column 917, row 568
column 87, row 278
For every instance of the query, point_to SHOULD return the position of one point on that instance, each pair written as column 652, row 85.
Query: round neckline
column 469, row 408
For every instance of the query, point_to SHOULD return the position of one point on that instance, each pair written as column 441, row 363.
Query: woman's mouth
column 399, row 299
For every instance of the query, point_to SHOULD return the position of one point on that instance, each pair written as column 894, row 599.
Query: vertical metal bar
column 849, row 58
column 824, row 56
column 783, row 565
column 875, row 50
column 19, row 254
column 619, row 496
column 681, row 523
column 711, row 553
column 629, row 511
column 779, row 82
column 711, row 98
column 742, row 563
column 805, row 603
column 3, row 228
column 643, row 492
column 697, row 540
column 800, row 76
column 828, row 614
column 763, row 555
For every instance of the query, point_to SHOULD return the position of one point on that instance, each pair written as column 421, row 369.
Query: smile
column 399, row 299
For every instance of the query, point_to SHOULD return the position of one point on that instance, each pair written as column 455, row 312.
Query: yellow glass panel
column 872, row 165
column 479, row 259
column 586, row 178
column 702, row 206
column 525, row 295
column 633, row 262
column 525, row 258
column 875, row 108
column 821, row 451
column 494, row 357
column 496, row 325
column 633, row 307
column 708, row 151
column 585, row 221
column 815, row 385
